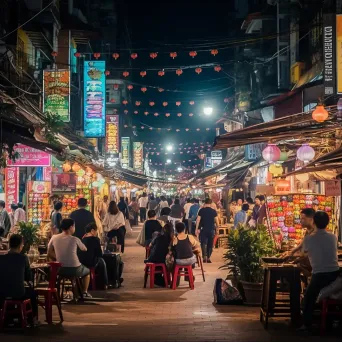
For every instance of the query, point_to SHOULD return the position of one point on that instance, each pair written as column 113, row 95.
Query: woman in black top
column 123, row 207
column 152, row 225
column 56, row 218
column 160, row 245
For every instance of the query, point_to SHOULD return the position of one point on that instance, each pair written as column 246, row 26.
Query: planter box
column 252, row 292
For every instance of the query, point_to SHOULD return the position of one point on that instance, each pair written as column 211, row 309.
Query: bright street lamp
column 169, row 148
column 168, row 161
column 208, row 110
column 179, row 169
column 195, row 171
column 169, row 179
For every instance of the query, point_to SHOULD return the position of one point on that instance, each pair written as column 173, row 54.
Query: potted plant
column 246, row 247
column 30, row 235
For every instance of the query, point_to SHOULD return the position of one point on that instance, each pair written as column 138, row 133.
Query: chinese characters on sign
column 94, row 99
column 254, row 152
column 11, row 186
column 112, row 134
column 57, row 93
column 138, row 163
column 30, row 156
column 282, row 187
column 125, row 152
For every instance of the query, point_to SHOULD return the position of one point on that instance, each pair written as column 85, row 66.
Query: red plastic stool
column 329, row 307
column 148, row 252
column 151, row 270
column 179, row 272
column 50, row 294
column 21, row 307
column 93, row 278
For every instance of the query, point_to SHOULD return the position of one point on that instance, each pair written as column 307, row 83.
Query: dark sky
column 179, row 26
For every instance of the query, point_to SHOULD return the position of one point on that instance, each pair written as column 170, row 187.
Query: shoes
column 121, row 280
column 205, row 260
column 87, row 295
column 209, row 261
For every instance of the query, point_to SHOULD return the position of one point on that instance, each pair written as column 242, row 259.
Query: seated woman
column 185, row 246
column 160, row 245
column 92, row 258
column 152, row 225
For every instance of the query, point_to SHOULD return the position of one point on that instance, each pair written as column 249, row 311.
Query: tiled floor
column 132, row 313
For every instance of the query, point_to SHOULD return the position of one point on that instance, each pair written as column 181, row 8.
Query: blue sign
column 94, row 99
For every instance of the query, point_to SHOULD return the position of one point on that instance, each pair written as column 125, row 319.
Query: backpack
column 226, row 294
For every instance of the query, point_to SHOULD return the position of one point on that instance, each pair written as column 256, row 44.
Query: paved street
column 132, row 313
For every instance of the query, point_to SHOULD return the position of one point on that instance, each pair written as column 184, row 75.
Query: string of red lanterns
column 142, row 127
column 163, row 103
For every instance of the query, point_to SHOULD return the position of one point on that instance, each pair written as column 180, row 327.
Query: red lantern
column 77, row 54
column 142, row 127
column 191, row 114
column 125, row 74
column 198, row 129
column 143, row 89
column 160, row 90
column 125, row 102
column 54, row 54
column 178, row 103
column 198, row 70
column 153, row 55
column 179, row 72
column 320, row 114
column 137, row 103
column 226, row 100
column 165, row 104
column 151, row 103
column 134, row 55
column 115, row 56
column 145, row 113
column 156, row 114
column 214, row 52
column 142, row 73
column 161, row 73
column 179, row 114
column 107, row 72
column 173, row 55
column 97, row 55
column 135, row 112
column 217, row 68
column 192, row 103
column 112, row 101
column 192, row 54
column 115, row 86
column 187, row 129
column 167, row 115
column 130, row 87
column 126, row 111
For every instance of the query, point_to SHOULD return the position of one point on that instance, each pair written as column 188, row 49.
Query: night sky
column 182, row 27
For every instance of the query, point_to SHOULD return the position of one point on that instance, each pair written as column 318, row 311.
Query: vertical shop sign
column 138, row 162
column 11, row 186
column 94, row 99
column 338, row 52
column 112, row 134
column 216, row 158
column 329, row 53
column 125, row 152
column 47, row 173
column 56, row 85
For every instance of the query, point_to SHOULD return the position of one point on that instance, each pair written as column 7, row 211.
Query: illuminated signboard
column 57, row 93
column 138, row 163
column 29, row 156
column 94, row 99
column 11, row 186
column 112, row 134
column 125, row 152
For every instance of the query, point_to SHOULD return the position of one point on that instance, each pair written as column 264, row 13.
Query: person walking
column 5, row 222
column 193, row 215
column 241, row 216
column 163, row 203
column 206, row 220
column 143, row 200
column 153, row 204
column 135, row 209
column 19, row 214
column 103, row 207
column 122, row 205
column 82, row 217
column 177, row 212
column 114, row 225
column 56, row 218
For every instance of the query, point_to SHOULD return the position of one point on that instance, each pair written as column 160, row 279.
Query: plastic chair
column 92, row 278
column 329, row 307
column 148, row 252
column 185, row 271
column 200, row 263
column 20, row 307
column 50, row 294
column 151, row 270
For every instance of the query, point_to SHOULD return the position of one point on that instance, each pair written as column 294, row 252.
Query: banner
column 11, row 186
column 63, row 183
column 338, row 54
column 329, row 53
column 138, row 162
column 112, row 134
column 30, row 156
column 94, row 99
column 125, row 152
column 56, row 85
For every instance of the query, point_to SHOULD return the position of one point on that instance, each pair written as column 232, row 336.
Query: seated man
column 185, row 246
column 15, row 270
column 321, row 248
column 93, row 256
column 64, row 246
column 152, row 225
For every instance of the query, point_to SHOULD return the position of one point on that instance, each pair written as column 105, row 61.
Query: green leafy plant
column 29, row 233
column 52, row 126
column 8, row 153
column 246, row 247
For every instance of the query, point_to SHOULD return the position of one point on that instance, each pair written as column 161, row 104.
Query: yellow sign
column 339, row 53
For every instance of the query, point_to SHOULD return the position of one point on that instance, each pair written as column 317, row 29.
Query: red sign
column 333, row 188
column 11, row 186
column 30, row 156
column 47, row 173
column 112, row 134
column 282, row 187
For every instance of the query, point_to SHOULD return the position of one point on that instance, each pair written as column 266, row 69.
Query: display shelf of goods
column 70, row 201
column 283, row 213
column 38, row 208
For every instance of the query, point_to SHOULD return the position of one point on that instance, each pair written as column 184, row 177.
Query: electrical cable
column 24, row 91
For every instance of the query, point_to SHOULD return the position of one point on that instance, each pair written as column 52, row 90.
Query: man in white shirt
column 143, row 200
column 19, row 214
column 321, row 248
column 187, row 207
column 64, row 246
